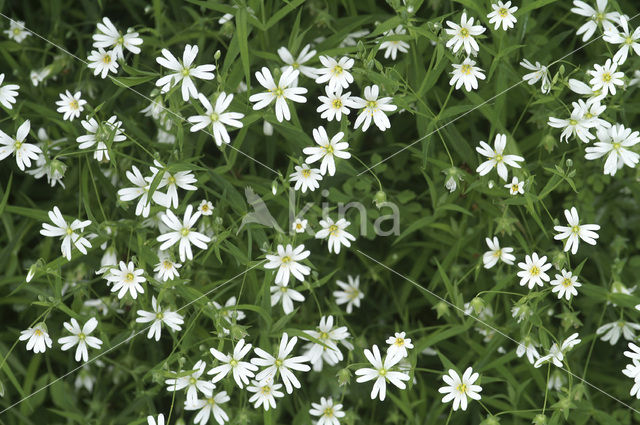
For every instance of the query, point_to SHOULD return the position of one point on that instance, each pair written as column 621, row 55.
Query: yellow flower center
column 81, row 336
column 575, row 229
column 167, row 264
column 299, row 226
column 588, row 115
column 38, row 332
column 286, row 259
column 535, row 271
column 371, row 104
column 462, row 388
column 278, row 92
column 337, row 103
column 503, row 12
column 328, row 412
column 329, row 149
column 382, row 372
column 465, row 69
column 214, row 117
column 353, row 294
column 16, row 31
column 74, row 104
column 192, row 381
column 106, row 59
column 184, row 232
column 279, row 362
column 333, row 229
column 573, row 122
column 17, row 145
column 606, row 77
column 498, row 157
column 324, row 335
column 566, row 282
column 306, row 172
column 399, row 342
column 69, row 231
column 129, row 277
column 233, row 363
column 185, row 72
column 628, row 40
column 120, row 40
column 211, row 401
column 616, row 146
column 266, row 390
column 337, row 70
column 515, row 187
column 497, row 253
column 464, row 32
column 159, row 316
column 295, row 65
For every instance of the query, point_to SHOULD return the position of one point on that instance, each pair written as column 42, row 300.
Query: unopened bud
column 267, row 128
column 540, row 419
column 217, row 54
column 344, row 377
column 478, row 305
column 274, row 187
column 442, row 309
column 379, row 198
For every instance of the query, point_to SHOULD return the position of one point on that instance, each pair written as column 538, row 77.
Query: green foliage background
column 441, row 238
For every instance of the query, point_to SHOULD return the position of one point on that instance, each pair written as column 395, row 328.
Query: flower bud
column 217, row 54
column 540, row 419
column 491, row 420
column 477, row 304
column 344, row 377
column 267, row 128
column 442, row 309
column 274, row 187
column 379, row 198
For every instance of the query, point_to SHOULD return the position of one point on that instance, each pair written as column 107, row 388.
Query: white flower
column 495, row 253
column 528, row 347
column 182, row 231
column 539, row 72
column 350, row 294
column 265, row 393
column 70, row 105
column 372, row 109
column 306, row 178
column 466, row 73
column 459, row 388
column 172, row 181
column 8, row 93
column 330, row 336
column 241, row 370
column 16, row 31
column 336, row 232
column 556, row 355
column 24, row 152
column 335, row 73
column 229, row 312
column 158, row 316
column 565, row 285
column 267, row 128
column 217, row 118
column 285, row 89
column 281, row 363
column 577, row 125
column 533, row 270
column 102, row 62
column 575, row 231
column 381, row 372
column 327, row 150
column 591, row 111
column 615, row 142
column 67, row 232
column 392, row 47
column 334, row 104
column 167, row 269
column 38, row 76
column 605, row 78
column 299, row 226
column 81, row 338
column 206, row 207
column 515, row 187
column 497, row 158
column 502, row 15
column 152, row 421
column 306, row 54
column 612, row 331
column 110, row 38
column 328, row 412
column 634, row 354
column 209, row 405
column 463, row 35
column 286, row 261
column 286, row 294
column 627, row 39
column 596, row 16
column 585, row 89
column 350, row 39
column 398, row 345
column 183, row 71
column 103, row 134
column 191, row 382
column 128, row 278
column 141, row 190
column 38, row 338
